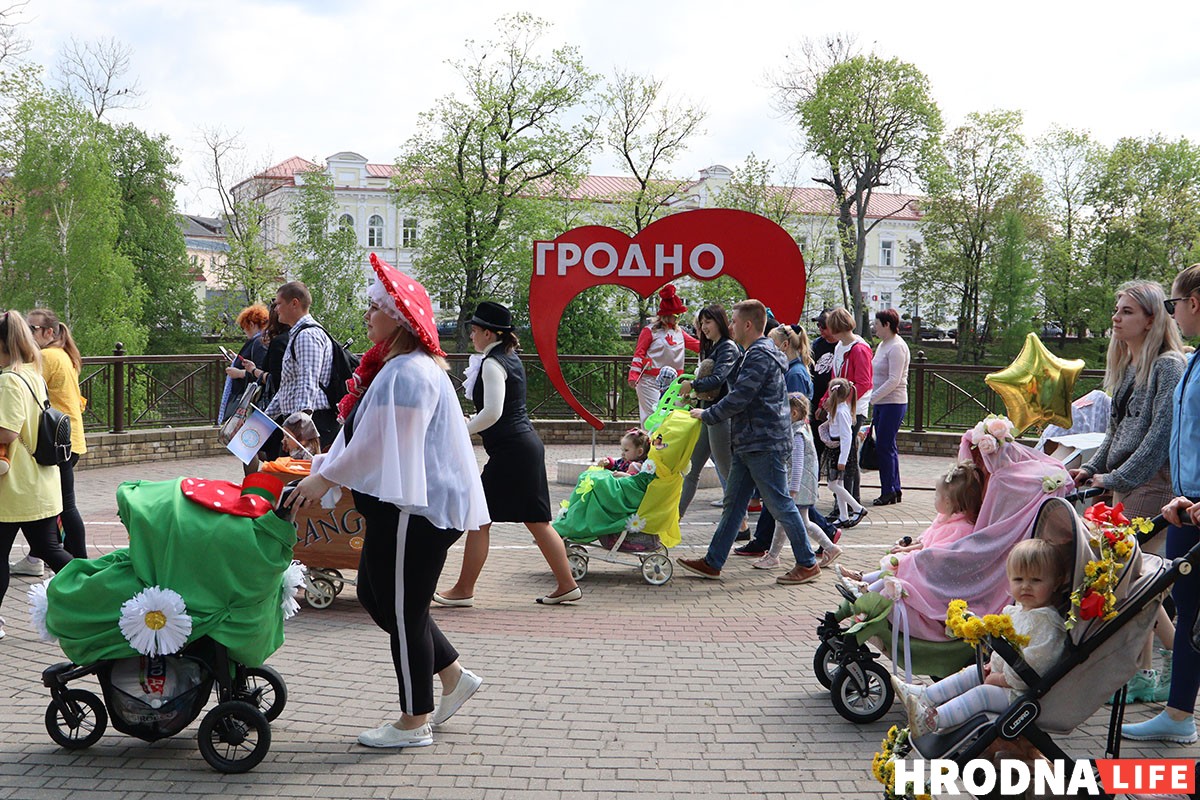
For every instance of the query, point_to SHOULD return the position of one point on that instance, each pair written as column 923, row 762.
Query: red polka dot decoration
column 252, row 499
column 412, row 300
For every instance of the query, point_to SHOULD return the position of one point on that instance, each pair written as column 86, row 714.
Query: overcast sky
column 313, row 77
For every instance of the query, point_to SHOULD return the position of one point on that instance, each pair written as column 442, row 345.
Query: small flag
column 252, row 435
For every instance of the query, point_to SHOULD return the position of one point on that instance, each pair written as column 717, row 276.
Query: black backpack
column 53, row 432
column 344, row 364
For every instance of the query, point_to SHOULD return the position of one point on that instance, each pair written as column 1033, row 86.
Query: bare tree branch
column 96, row 72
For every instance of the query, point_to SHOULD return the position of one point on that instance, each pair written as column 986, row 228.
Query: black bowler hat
column 492, row 316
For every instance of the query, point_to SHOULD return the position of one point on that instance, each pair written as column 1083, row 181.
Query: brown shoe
column 700, row 567
column 799, row 575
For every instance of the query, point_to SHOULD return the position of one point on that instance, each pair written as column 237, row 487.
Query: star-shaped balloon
column 1037, row 386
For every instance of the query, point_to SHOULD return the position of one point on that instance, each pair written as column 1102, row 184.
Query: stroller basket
column 153, row 698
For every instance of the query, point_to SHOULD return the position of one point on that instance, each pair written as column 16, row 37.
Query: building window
column 346, row 221
column 375, row 231
column 408, row 233
column 885, row 299
column 887, row 253
column 802, row 243
column 830, row 251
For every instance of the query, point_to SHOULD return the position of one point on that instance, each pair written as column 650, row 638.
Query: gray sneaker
column 30, row 567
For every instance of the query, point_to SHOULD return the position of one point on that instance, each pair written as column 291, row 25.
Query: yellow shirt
column 29, row 491
column 63, row 381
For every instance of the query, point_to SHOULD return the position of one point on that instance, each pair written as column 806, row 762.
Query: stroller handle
column 1084, row 494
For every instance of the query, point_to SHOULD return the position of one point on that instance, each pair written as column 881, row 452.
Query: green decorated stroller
column 633, row 520
column 196, row 601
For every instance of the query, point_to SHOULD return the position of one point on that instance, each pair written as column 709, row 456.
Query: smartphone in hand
column 233, row 357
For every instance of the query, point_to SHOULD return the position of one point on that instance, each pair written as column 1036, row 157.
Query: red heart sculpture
column 705, row 244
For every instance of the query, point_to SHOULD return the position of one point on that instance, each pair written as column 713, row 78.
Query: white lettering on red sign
column 602, row 259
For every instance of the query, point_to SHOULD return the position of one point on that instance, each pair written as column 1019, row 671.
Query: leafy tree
column 972, row 186
column 327, row 257
column 61, row 239
column 144, row 169
column 1012, row 290
column 481, row 166
column 869, row 121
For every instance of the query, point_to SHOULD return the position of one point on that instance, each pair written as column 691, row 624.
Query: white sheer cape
column 410, row 447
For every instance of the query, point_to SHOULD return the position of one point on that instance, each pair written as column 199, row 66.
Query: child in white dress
column 1038, row 581
column 837, row 434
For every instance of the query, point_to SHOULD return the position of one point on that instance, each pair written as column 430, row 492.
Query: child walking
column 957, row 498
column 837, row 432
column 1038, row 581
column 802, row 484
column 635, row 449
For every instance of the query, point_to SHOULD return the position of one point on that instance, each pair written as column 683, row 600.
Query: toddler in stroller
column 638, row 514
column 197, row 599
column 909, row 618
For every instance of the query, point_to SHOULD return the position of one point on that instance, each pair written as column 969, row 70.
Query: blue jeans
column 1185, row 661
column 888, row 417
column 767, row 471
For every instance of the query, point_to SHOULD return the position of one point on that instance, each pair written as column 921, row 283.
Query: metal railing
column 138, row 392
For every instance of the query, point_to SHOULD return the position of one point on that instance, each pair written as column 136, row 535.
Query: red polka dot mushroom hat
column 405, row 300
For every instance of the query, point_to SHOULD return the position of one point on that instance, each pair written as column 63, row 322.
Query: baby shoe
column 922, row 717
column 1161, row 728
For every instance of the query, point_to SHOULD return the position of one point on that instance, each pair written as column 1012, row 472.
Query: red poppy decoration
column 257, row 495
column 1092, row 605
column 412, row 300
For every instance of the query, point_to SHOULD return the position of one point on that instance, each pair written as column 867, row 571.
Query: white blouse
column 410, row 447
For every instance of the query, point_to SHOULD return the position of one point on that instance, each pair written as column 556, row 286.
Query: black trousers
column 398, row 571
column 74, row 538
column 44, row 543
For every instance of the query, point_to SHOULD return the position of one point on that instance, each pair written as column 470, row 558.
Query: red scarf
column 364, row 373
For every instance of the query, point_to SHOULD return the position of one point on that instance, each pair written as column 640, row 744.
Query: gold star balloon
column 1037, row 386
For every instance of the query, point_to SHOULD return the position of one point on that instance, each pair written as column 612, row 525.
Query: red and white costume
column 659, row 347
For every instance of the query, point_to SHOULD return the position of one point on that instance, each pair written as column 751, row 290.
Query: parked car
column 447, row 329
column 933, row 332
column 1051, row 330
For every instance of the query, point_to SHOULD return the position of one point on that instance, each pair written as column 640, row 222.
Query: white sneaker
column 467, row 685
column 31, row 567
column 920, row 719
column 390, row 736
column 766, row 562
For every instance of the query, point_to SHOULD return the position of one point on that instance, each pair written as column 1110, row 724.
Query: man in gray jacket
column 761, row 433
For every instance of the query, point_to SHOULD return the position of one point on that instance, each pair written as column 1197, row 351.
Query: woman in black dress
column 514, row 478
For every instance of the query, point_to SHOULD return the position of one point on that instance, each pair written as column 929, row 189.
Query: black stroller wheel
column 265, row 690
column 824, row 666
column 234, row 737
column 77, row 721
column 862, row 692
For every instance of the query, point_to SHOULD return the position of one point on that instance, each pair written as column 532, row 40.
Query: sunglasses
column 1169, row 305
column 35, row 328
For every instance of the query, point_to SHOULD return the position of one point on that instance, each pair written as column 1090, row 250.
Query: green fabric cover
column 602, row 503
column 228, row 569
column 929, row 658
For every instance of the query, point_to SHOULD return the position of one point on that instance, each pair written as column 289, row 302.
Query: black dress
column 514, row 478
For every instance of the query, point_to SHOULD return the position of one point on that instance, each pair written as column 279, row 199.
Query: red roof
column 820, row 200
column 381, row 170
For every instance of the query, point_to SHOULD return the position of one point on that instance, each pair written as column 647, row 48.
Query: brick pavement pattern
column 698, row 689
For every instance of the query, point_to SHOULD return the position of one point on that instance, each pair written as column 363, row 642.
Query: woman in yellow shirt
column 30, row 495
column 60, row 367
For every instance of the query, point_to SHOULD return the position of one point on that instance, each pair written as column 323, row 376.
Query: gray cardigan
column 1137, row 446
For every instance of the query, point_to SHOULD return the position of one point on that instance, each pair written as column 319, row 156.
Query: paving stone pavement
column 694, row 689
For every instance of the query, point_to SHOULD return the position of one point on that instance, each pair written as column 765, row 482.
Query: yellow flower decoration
column 585, row 486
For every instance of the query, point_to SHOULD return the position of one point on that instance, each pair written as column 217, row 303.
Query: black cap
column 492, row 316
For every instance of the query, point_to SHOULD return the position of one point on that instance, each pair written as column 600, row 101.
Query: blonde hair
column 1163, row 336
column 796, row 339
column 962, row 486
column 1038, row 555
column 17, row 340
column 839, row 321
column 62, row 335
column 404, row 341
column 640, row 439
column 799, row 403
column 840, row 391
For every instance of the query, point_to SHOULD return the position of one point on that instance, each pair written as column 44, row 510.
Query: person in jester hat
column 152, row 598
column 405, row 453
column 645, row 503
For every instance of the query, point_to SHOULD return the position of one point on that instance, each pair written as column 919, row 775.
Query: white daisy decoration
column 635, row 524
column 38, row 604
column 155, row 622
column 649, row 467
column 293, row 578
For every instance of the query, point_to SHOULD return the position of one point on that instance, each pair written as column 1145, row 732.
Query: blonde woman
column 1145, row 364
column 30, row 495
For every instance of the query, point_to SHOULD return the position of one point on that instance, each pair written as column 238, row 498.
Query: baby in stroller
column 1038, row 575
column 635, row 448
column 197, row 599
